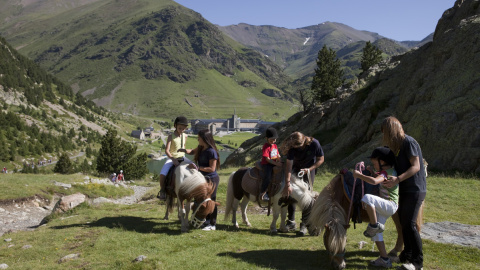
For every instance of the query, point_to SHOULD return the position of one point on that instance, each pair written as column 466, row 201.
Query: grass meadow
column 111, row 236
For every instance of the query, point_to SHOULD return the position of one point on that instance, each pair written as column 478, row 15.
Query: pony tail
column 230, row 197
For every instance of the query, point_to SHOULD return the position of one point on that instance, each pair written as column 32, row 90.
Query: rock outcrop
column 434, row 91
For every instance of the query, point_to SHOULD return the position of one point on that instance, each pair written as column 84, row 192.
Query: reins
column 359, row 167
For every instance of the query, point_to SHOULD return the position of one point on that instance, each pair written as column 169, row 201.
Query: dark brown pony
column 191, row 186
column 330, row 213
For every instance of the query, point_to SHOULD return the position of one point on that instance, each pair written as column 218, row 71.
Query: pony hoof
column 273, row 231
column 248, row 224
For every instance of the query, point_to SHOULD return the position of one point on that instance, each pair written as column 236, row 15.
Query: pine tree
column 115, row 155
column 328, row 75
column 64, row 165
column 371, row 56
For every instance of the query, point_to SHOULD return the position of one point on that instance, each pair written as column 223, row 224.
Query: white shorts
column 168, row 164
column 383, row 208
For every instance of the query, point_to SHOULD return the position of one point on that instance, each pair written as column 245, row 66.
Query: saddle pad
column 348, row 186
column 251, row 181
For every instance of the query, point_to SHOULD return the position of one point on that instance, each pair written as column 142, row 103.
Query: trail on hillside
column 27, row 215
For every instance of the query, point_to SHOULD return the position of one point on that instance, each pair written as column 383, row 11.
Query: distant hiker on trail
column 120, row 176
column 175, row 141
column 113, row 177
column 270, row 159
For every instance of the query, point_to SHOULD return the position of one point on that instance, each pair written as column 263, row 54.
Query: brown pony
column 330, row 213
column 190, row 185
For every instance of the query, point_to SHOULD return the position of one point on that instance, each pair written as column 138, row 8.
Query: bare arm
column 369, row 179
column 414, row 168
column 212, row 165
column 274, row 162
column 288, row 173
column 317, row 164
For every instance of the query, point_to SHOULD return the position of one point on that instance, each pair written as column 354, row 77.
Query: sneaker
column 381, row 263
column 265, row 197
column 371, row 232
column 291, row 225
column 303, row 230
column 209, row 228
column 162, row 195
column 409, row 266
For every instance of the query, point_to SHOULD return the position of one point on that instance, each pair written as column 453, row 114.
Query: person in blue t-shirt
column 208, row 161
column 412, row 184
column 304, row 154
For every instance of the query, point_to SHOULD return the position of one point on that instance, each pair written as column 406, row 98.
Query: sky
column 395, row 19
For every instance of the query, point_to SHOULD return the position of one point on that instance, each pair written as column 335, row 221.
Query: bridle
column 196, row 222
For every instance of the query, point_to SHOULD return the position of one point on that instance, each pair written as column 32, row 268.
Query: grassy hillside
column 145, row 57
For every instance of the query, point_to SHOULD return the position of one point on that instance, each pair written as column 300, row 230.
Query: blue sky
column 399, row 20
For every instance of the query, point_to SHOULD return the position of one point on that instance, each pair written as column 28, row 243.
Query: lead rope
column 359, row 167
column 302, row 173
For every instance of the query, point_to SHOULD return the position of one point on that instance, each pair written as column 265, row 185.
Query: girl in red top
column 270, row 159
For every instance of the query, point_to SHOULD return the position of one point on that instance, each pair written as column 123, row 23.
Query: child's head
column 271, row 135
column 382, row 157
column 180, row 124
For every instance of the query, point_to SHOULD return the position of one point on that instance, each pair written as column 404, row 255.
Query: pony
column 329, row 213
column 236, row 195
column 191, row 185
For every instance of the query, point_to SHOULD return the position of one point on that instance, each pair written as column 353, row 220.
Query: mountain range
column 295, row 50
column 158, row 59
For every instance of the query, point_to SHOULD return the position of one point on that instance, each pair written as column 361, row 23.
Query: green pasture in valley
column 111, row 236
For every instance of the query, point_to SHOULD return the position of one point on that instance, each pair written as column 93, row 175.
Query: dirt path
column 26, row 215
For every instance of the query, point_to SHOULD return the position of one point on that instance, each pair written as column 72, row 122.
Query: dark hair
column 207, row 137
column 181, row 120
column 295, row 140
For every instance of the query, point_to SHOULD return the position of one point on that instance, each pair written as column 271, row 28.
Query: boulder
column 69, row 202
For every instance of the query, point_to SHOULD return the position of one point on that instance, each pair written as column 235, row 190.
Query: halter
column 196, row 222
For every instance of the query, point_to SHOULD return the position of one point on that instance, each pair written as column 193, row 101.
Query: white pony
column 236, row 195
column 190, row 185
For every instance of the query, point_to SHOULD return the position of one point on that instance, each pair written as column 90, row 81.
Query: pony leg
column 275, row 213
column 183, row 217
column 283, row 218
column 234, row 212
column 243, row 206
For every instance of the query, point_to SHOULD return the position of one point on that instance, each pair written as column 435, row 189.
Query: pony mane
column 193, row 185
column 306, row 196
column 328, row 213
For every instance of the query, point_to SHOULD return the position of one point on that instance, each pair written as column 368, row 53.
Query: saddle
column 358, row 190
column 170, row 181
column 253, row 178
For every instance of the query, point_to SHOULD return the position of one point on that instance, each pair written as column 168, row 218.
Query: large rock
column 68, row 202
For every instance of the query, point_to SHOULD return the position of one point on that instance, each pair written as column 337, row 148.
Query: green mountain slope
column 41, row 116
column 150, row 57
